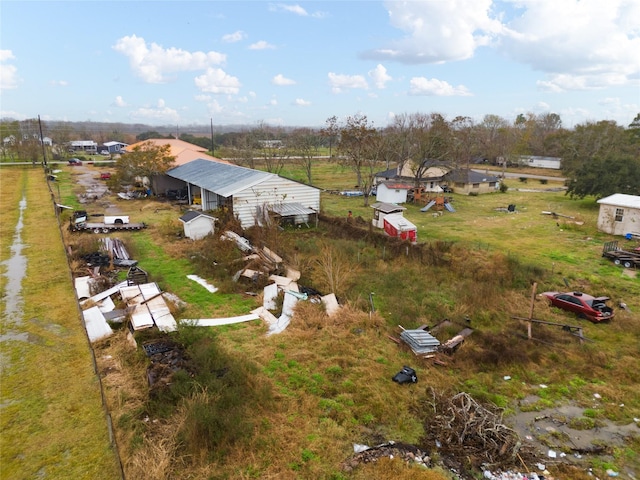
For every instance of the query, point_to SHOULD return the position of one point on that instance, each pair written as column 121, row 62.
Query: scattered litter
column 612, row 473
column 147, row 308
column 551, row 454
column 542, row 385
column 597, row 396
column 202, row 282
column 407, row 453
column 82, row 287
column 270, row 296
column 358, row 447
column 506, row 377
column 541, row 466
column 406, row 375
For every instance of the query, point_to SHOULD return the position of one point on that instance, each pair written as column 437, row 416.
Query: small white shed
column 392, row 192
column 620, row 215
column 381, row 210
column 197, row 225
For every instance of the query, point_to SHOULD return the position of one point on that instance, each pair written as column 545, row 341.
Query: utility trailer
column 619, row 256
column 110, row 223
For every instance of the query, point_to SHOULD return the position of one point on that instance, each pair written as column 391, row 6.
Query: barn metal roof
column 222, row 179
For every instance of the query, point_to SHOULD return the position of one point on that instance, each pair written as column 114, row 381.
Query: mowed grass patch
column 53, row 423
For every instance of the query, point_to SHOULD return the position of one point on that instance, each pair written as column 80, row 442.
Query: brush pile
column 462, row 428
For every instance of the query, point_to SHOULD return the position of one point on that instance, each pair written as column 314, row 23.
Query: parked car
column 104, row 152
column 586, row 306
column 75, row 161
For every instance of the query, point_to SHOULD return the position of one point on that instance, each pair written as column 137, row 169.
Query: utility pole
column 213, row 146
column 44, row 151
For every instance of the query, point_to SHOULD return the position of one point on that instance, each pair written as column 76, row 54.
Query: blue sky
column 299, row 63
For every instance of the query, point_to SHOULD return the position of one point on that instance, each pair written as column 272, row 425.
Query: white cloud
column 215, row 80
column 438, row 31
column 273, row 102
column 234, row 37
column 152, row 62
column 6, row 55
column 340, row 83
column 379, row 76
column 8, row 73
column 299, row 102
column 581, row 45
column 435, row 87
column 295, row 9
column 59, row 83
column 160, row 113
column 119, row 102
column 281, row 80
column 261, row 45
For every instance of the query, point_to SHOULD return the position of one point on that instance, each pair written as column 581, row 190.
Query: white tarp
column 96, row 325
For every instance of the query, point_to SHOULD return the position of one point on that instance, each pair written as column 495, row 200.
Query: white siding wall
column 607, row 220
column 391, row 195
column 273, row 191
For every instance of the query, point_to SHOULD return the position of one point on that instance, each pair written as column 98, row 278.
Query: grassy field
column 52, row 421
column 291, row 406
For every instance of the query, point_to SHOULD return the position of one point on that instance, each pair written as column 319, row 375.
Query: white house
column 537, row 161
column 249, row 194
column 197, row 225
column 115, row 147
column 620, row 215
column 87, row 146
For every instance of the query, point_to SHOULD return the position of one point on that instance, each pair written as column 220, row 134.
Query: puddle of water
column 553, row 425
column 16, row 267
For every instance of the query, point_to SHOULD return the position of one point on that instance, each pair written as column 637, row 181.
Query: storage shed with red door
column 395, row 225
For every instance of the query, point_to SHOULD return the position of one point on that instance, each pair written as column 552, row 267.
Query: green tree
column 599, row 159
column 144, row 161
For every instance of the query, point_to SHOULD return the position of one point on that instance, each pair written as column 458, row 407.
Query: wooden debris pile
column 462, row 428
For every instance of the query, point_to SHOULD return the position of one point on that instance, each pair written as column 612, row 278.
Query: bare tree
column 305, row 145
column 359, row 150
column 331, row 131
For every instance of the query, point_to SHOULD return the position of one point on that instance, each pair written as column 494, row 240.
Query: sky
column 299, row 63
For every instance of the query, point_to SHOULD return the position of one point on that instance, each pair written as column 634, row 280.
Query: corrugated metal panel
column 420, row 341
column 291, row 209
column 225, row 180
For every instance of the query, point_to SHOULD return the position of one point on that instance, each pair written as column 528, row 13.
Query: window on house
column 476, row 185
column 619, row 214
column 492, row 184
